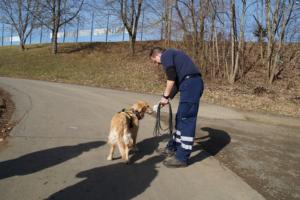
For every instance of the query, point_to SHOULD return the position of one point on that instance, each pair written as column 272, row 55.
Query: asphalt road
column 58, row 151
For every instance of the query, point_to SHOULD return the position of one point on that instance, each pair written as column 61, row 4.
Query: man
column 184, row 75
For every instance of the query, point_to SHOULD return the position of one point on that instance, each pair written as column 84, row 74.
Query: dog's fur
column 124, row 128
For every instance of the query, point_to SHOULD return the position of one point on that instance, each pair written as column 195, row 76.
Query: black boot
column 165, row 152
column 173, row 162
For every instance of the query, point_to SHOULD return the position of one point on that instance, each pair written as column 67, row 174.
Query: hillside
column 112, row 66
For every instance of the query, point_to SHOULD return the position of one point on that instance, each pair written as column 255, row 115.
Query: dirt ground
column 267, row 157
column 7, row 108
column 253, row 95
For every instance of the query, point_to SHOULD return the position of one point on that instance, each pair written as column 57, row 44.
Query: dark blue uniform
column 191, row 88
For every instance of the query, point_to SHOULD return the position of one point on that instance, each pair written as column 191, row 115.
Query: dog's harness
column 129, row 117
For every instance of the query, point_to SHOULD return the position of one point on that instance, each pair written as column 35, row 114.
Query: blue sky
column 151, row 29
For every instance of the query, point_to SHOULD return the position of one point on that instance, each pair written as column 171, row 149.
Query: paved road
column 58, row 151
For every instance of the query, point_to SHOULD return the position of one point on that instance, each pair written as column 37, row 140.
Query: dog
column 124, row 128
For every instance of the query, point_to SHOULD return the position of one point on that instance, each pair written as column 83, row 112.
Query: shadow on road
column 147, row 147
column 117, row 181
column 40, row 160
column 211, row 144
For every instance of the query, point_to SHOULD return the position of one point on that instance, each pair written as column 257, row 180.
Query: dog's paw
column 109, row 158
column 127, row 162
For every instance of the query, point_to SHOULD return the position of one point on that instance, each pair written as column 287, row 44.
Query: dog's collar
column 137, row 114
column 128, row 116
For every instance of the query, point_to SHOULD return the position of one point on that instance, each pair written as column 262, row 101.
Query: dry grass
column 93, row 64
column 112, row 66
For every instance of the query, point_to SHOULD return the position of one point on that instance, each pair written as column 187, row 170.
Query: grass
column 91, row 64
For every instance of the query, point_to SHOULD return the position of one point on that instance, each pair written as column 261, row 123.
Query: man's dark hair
column 156, row 50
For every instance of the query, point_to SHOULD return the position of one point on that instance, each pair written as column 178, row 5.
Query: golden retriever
column 124, row 128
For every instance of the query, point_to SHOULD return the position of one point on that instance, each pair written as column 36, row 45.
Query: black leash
column 157, row 127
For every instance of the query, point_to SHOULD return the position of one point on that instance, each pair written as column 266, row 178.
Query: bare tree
column 260, row 33
column 233, row 32
column 18, row 13
column 155, row 11
column 168, row 4
column 57, row 13
column 195, row 17
column 189, row 22
column 237, row 46
column 240, row 60
column 130, row 12
column 203, row 7
column 195, row 22
column 276, row 24
column 213, row 44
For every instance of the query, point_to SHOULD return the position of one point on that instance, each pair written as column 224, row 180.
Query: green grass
column 93, row 64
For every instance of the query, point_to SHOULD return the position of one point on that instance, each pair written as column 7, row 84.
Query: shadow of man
column 210, row 144
column 34, row 162
column 117, row 181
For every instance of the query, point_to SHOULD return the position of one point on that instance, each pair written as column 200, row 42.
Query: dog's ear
column 146, row 108
column 140, row 106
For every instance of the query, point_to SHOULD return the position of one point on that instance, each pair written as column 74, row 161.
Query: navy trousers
column 186, row 118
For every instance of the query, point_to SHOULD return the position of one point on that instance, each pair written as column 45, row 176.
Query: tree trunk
column 242, row 38
column 201, row 39
column 212, row 45
column 54, row 42
column 270, row 37
column 262, row 57
column 285, row 18
column 168, row 21
column 22, row 45
column 233, row 44
column 132, row 44
column 195, row 31
column 56, row 21
column 236, row 52
column 217, row 51
column 262, row 44
column 131, row 25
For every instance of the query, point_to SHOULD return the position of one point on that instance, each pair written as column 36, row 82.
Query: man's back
column 182, row 62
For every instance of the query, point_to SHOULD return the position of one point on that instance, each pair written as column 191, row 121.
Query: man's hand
column 166, row 95
column 164, row 101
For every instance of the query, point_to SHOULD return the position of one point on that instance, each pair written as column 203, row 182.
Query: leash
column 158, row 128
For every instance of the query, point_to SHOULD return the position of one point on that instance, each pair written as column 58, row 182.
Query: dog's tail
column 112, row 137
column 119, row 133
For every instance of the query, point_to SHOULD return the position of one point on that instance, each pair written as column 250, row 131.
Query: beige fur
column 121, row 134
